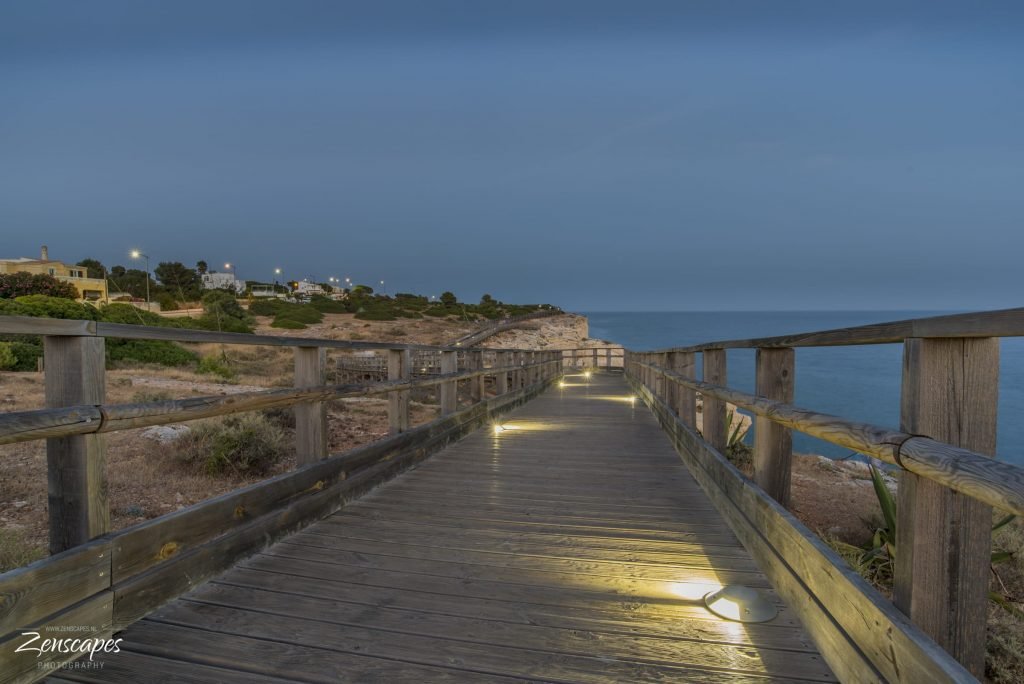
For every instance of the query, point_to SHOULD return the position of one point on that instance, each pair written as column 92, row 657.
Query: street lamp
column 135, row 255
column 382, row 288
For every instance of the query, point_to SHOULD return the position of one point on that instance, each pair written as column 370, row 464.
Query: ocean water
column 859, row 383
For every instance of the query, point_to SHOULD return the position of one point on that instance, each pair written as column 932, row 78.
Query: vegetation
column 248, row 444
column 16, row 551
column 8, row 359
column 21, row 284
column 222, row 312
column 218, row 366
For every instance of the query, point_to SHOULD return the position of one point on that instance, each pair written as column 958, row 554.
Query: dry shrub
column 246, row 444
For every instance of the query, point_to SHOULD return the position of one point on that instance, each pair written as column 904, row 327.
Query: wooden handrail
column 1001, row 323
column 981, row 477
column 30, row 325
column 25, row 426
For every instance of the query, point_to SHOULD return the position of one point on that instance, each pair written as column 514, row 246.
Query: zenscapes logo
column 92, row 646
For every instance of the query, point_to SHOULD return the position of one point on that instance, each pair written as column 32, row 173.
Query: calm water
column 860, row 383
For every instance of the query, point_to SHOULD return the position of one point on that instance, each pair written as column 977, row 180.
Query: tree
column 93, row 268
column 179, row 280
column 21, row 284
column 448, row 299
column 201, row 267
column 486, row 300
column 131, row 281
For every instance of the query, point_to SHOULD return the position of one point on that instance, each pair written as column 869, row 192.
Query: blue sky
column 598, row 155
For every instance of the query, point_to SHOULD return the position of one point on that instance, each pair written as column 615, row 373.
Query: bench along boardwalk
column 566, row 526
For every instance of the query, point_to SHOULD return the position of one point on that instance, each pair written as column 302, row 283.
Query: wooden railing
column 944, row 448
column 492, row 328
column 594, row 357
column 106, row 580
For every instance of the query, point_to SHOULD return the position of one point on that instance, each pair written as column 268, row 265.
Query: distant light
column 227, row 265
column 136, row 254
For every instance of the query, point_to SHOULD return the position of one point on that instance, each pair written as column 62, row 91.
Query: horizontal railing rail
column 949, row 483
column 981, row 477
column 29, row 325
column 109, row 579
column 25, row 426
column 1002, row 323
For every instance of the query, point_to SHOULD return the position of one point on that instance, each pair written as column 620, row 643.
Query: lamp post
column 383, row 289
column 135, row 255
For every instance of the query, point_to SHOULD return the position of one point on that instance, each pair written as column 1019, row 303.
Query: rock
column 20, row 504
column 165, row 434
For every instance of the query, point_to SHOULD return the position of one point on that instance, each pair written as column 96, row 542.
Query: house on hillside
column 89, row 289
column 223, row 281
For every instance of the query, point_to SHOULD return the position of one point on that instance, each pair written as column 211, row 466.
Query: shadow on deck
column 572, row 545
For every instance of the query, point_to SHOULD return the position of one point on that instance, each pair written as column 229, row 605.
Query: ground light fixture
column 741, row 604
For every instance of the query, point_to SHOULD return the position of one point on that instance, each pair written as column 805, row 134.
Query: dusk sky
column 596, row 155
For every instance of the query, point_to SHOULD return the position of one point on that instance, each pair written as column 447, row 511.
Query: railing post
column 773, row 443
column 501, row 378
column 76, row 466
column 714, row 409
column 943, row 539
column 686, row 398
column 399, row 368
column 573, row 359
column 668, row 385
column 593, row 362
column 310, row 417
column 449, row 390
column 607, row 357
column 475, row 362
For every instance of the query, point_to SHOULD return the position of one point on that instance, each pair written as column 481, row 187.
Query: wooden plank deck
column 571, row 547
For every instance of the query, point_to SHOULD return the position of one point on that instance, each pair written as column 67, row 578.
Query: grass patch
column 16, row 551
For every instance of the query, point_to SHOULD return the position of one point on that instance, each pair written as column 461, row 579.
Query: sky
column 595, row 155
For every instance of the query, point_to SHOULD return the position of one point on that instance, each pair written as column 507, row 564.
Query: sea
column 859, row 383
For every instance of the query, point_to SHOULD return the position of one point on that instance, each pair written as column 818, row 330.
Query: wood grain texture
column 715, row 424
column 996, row 483
column 685, row 364
column 773, row 443
column 860, row 633
column 1001, row 323
column 950, row 393
column 399, row 368
column 76, row 466
column 310, row 417
column 448, row 392
column 573, row 584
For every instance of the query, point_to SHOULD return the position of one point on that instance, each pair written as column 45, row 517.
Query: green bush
column 8, row 360
column 27, row 351
column 130, row 315
column 44, row 306
column 266, row 307
column 22, row 283
column 287, row 324
column 213, row 365
column 436, row 311
column 245, row 444
column 375, row 315
column 167, row 302
column 149, row 351
column 223, row 312
column 327, row 305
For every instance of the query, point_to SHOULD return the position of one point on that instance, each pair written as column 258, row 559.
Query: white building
column 223, row 281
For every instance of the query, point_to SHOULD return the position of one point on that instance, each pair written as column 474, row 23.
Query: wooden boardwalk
column 573, row 546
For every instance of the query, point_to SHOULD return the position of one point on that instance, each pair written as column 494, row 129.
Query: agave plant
column 878, row 556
